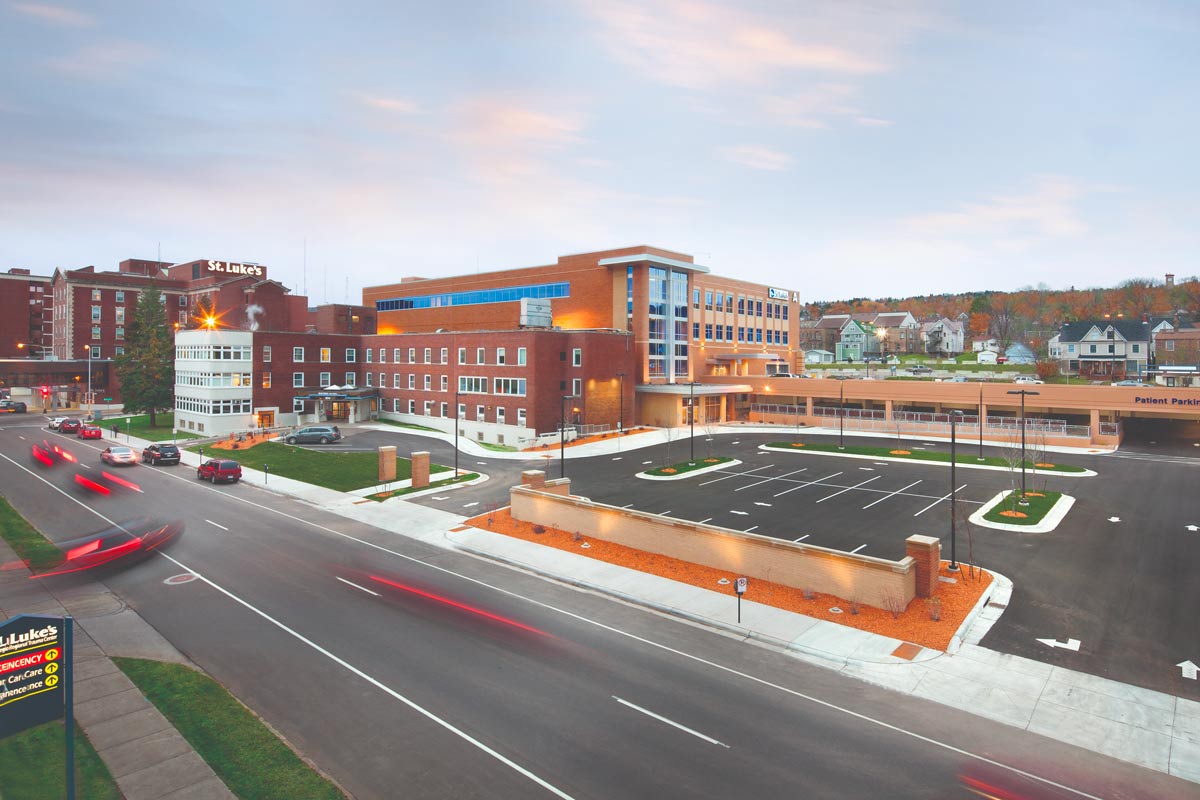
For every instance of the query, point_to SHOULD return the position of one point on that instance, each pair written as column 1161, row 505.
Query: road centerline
column 672, row 723
column 356, row 586
column 217, row 524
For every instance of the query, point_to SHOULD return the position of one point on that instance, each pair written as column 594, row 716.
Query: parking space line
column 855, row 550
column 802, row 538
column 772, row 478
column 748, row 530
column 701, row 522
column 848, row 488
column 802, row 484
column 663, row 513
column 892, row 494
column 736, row 474
column 940, row 499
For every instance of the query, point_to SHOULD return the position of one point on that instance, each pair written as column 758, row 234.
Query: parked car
column 54, row 422
column 219, row 469
column 161, row 454
column 1132, row 383
column 1026, row 379
column 70, row 425
column 921, row 369
column 12, row 407
column 872, row 359
column 90, row 432
column 958, row 379
column 314, row 433
column 118, row 454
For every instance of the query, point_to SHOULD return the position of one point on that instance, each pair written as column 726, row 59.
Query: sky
column 838, row 149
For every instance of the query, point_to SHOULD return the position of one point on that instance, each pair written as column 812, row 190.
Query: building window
column 520, row 356
column 120, row 296
column 500, row 356
column 514, row 386
column 443, row 409
column 266, row 380
column 1171, row 345
column 462, row 411
column 412, row 406
column 370, row 379
column 370, row 355
column 472, row 385
column 396, row 405
column 708, row 300
column 445, row 383
column 520, row 417
column 429, row 408
column 480, row 414
column 298, row 355
column 351, row 355
column 396, row 380
column 183, row 318
column 412, row 381
column 577, row 387
column 395, row 355
column 298, row 380
column 696, row 330
column 480, row 358
column 500, row 415
column 462, row 355
column 95, row 335
column 95, row 313
column 708, row 332
column 266, row 354
column 326, row 355
column 95, row 351
column 118, row 351
column 428, row 382
column 182, row 300
column 351, row 380
column 577, row 357
column 383, row 355
column 695, row 298
column 298, row 405
column 95, row 295
column 121, row 332
column 121, row 316
column 412, row 355
column 325, row 379
column 1135, row 348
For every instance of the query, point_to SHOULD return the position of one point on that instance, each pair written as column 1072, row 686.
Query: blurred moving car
column 54, row 422
column 118, row 454
column 161, row 454
column 1027, row 380
column 323, row 434
column 49, row 454
column 132, row 539
column 12, row 407
column 1132, row 383
column 958, row 379
column 90, row 432
column 70, row 425
column 219, row 470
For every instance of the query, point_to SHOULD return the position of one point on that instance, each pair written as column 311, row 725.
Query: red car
column 219, row 469
column 70, row 426
column 90, row 432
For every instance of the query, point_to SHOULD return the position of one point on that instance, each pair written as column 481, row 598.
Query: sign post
column 739, row 586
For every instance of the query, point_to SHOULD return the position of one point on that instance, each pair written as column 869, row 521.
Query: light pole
column 842, row 415
column 87, row 348
column 562, row 436
column 979, row 415
column 954, row 417
column 456, row 423
column 621, row 404
column 1023, row 392
column 692, row 417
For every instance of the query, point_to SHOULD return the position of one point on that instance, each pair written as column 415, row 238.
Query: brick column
column 420, row 469
column 387, row 463
column 533, row 478
column 927, row 552
column 887, row 410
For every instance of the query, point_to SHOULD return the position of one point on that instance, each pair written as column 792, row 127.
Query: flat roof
column 689, row 388
column 653, row 259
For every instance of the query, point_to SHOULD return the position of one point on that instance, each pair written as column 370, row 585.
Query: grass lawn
column 340, row 471
column 688, row 466
column 1009, row 508
column 29, row 545
column 409, row 425
column 919, row 455
column 33, row 766
column 139, row 426
column 470, row 476
column 244, row 753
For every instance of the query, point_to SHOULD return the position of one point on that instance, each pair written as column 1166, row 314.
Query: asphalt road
column 402, row 669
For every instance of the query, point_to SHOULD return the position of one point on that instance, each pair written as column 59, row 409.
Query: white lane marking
column 701, row 522
column 644, row 463
column 469, row 505
column 222, row 527
column 802, row 538
column 743, row 513
column 663, row 513
column 748, row 530
column 880, row 463
column 855, row 550
column 891, row 494
column 737, row 442
column 628, row 506
column 618, row 458
column 356, row 586
column 736, row 475
column 940, row 499
column 867, row 469
column 772, row 478
column 610, row 629
column 848, row 488
column 441, row 497
column 683, row 728
column 802, row 484
column 768, row 505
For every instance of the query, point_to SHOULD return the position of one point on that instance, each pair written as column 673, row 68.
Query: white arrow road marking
column 468, row 505
column 669, row 722
column 437, row 497
column 222, row 527
column 1189, row 669
column 768, row 505
column 1193, row 527
column 1069, row 644
column 1114, row 519
column 743, row 513
column 356, row 586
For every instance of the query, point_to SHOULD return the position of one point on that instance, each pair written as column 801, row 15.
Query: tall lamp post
column 562, row 436
column 692, row 417
column 456, row 426
column 954, row 417
column 979, row 415
column 621, row 404
column 87, row 348
column 842, row 415
column 1023, row 392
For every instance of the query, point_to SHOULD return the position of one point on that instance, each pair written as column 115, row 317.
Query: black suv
column 314, row 433
column 161, row 454
column 12, row 407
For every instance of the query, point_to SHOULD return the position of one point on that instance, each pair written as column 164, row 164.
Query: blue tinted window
column 504, row 295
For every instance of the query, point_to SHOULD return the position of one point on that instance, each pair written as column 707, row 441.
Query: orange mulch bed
column 600, row 437
column 1018, row 514
column 900, row 452
column 233, row 444
column 914, row 624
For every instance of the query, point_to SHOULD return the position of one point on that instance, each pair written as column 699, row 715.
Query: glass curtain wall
column 667, row 348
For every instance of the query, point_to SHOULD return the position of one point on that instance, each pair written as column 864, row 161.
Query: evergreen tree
column 147, row 368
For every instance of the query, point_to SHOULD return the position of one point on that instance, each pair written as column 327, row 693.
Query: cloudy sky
column 838, row 148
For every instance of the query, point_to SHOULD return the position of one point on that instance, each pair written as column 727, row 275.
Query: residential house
column 897, row 331
column 1110, row 349
column 989, row 343
column 857, row 339
column 942, row 337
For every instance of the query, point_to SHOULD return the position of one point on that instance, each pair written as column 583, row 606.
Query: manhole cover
column 176, row 580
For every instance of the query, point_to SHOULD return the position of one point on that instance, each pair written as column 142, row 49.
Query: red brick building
column 25, row 314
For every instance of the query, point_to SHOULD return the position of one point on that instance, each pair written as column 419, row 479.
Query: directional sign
column 1069, row 644
column 1189, row 669
column 32, row 672
column 739, row 585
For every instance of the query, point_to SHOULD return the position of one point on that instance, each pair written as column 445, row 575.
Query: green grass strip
column 340, row 471
column 920, row 455
column 33, row 766
column 139, row 426
column 245, row 753
column 409, row 490
column 688, row 466
column 409, row 425
column 1039, row 506
column 29, row 545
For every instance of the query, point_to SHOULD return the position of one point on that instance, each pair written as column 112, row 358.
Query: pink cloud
column 55, row 14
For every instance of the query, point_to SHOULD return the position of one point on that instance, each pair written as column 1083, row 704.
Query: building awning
column 750, row 357
column 661, row 261
column 686, row 389
column 345, row 394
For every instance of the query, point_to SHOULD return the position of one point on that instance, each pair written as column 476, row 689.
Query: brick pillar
column 887, row 410
column 927, row 552
column 420, row 469
column 533, row 478
column 387, row 463
column 1095, row 423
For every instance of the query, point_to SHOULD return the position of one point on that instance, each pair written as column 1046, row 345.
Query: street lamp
column 692, row 417
column 87, row 348
column 456, row 424
column 562, row 436
column 1023, row 392
column 954, row 417
column 842, row 415
column 621, row 403
column 979, row 416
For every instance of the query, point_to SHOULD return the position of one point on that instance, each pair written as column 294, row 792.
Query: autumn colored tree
column 979, row 325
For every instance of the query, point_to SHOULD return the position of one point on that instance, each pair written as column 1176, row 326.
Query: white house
column 818, row 357
column 989, row 343
column 943, row 337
